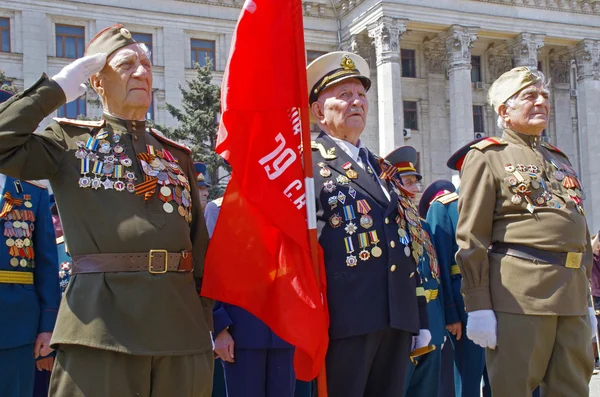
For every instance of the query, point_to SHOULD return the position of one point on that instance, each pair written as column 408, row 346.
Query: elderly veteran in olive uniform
column 423, row 376
column 29, row 294
column 439, row 205
column 131, row 322
column 524, row 249
column 376, row 303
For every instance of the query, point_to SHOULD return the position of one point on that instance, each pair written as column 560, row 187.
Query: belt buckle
column 573, row 260
column 151, row 255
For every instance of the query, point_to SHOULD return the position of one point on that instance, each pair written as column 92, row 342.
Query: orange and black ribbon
column 9, row 203
column 146, row 188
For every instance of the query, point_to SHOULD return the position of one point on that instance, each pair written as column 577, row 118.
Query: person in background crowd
column 595, row 284
column 423, row 377
column 29, row 294
column 524, row 249
column 377, row 305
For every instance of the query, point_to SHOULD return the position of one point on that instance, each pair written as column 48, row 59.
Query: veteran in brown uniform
column 524, row 249
column 131, row 322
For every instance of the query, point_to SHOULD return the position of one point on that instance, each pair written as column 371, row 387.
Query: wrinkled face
column 342, row 109
column 125, row 83
column 411, row 183
column 203, row 196
column 530, row 112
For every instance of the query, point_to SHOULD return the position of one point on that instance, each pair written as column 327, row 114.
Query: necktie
column 364, row 156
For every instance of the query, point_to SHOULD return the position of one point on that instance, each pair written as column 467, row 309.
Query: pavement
column 595, row 386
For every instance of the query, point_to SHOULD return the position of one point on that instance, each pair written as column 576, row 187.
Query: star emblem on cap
column 347, row 63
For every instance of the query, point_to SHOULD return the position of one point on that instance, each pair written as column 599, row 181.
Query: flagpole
column 309, row 185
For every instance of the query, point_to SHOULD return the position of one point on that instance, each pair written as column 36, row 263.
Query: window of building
column 4, row 35
column 73, row 109
column 475, row 69
column 70, row 41
column 410, row 115
column 478, row 123
column 312, row 55
column 409, row 63
column 202, row 49
column 145, row 38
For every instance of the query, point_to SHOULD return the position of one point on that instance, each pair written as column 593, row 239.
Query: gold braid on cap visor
column 329, row 78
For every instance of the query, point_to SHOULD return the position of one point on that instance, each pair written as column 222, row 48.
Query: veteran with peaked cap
column 423, row 374
column 131, row 214
column 29, row 294
column 524, row 249
column 203, row 185
column 377, row 305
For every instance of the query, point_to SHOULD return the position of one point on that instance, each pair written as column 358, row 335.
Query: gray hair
column 512, row 101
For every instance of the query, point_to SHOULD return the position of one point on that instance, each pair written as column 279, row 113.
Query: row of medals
column 523, row 179
column 174, row 184
column 105, row 160
column 365, row 239
column 18, row 228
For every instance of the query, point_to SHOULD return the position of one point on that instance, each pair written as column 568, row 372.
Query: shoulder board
column 218, row 202
column 549, row 146
column 447, row 198
column 487, row 142
column 80, row 123
column 36, row 184
column 158, row 135
column 327, row 154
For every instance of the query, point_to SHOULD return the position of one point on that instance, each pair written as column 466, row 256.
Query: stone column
column 560, row 69
column 386, row 34
column 35, row 47
column 459, row 41
column 174, row 47
column 587, row 55
column 525, row 49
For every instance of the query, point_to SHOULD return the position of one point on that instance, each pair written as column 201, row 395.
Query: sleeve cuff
column 451, row 315
column 47, row 321
column 221, row 320
column 478, row 299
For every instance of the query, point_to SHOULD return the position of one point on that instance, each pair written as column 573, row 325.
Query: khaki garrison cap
column 109, row 40
column 331, row 68
column 509, row 84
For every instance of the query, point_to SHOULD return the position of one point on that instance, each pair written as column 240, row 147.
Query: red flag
column 259, row 257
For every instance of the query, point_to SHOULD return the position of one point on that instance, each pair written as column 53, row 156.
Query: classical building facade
column 432, row 62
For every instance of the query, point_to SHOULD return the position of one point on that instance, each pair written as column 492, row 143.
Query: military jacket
column 27, row 246
column 372, row 277
column 64, row 264
column 130, row 312
column 521, row 191
column 442, row 217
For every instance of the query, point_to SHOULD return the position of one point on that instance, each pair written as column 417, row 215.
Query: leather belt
column 454, row 270
column 571, row 260
column 154, row 261
column 15, row 277
column 431, row 294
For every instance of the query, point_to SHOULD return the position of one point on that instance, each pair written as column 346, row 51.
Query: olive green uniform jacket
column 489, row 213
column 128, row 312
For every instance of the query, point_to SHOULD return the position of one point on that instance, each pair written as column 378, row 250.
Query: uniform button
column 387, row 221
column 392, row 243
column 393, row 268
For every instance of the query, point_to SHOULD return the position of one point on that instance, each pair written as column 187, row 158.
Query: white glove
column 72, row 76
column 593, row 321
column 422, row 339
column 481, row 328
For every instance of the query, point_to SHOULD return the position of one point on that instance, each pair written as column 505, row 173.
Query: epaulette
column 550, row 146
column 455, row 161
column 487, row 142
column 158, row 135
column 37, row 184
column 218, row 202
column 327, row 154
column 80, row 123
column 447, row 198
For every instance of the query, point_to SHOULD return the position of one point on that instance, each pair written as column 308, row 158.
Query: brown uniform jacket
column 134, row 312
column 488, row 214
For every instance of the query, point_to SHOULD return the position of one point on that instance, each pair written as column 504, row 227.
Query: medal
column 168, row 208
column 325, row 172
column 364, row 255
column 84, row 182
column 349, row 245
column 342, row 180
column 366, row 221
column 351, row 261
column 535, row 184
column 181, row 210
column 27, row 203
column 116, row 138
column 559, row 175
column 23, row 262
column 14, row 262
column 363, row 242
column 407, row 250
column 341, row 197
column 352, row 174
column 96, row 183
column 119, row 186
column 329, row 186
column 335, row 221
column 516, row 199
column 165, row 191
column 118, row 149
column 332, row 201
column 347, row 165
column 108, row 184
column 349, row 213
column 375, row 251
column 509, row 168
column 351, row 228
column 351, row 192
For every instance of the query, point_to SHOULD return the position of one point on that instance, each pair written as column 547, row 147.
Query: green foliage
column 198, row 125
column 6, row 87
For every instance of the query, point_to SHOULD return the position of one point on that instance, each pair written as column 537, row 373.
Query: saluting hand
column 224, row 345
column 72, row 76
column 455, row 329
column 42, row 345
